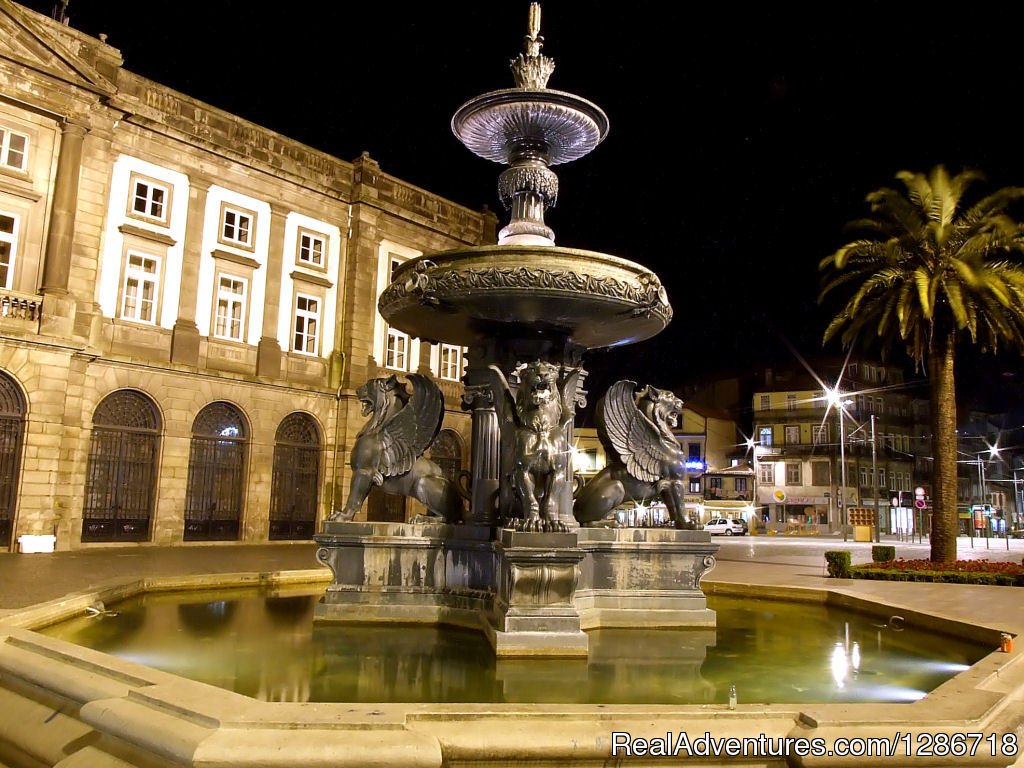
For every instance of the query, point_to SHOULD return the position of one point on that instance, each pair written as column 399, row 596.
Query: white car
column 722, row 525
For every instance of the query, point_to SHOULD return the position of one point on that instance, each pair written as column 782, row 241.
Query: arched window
column 295, row 490
column 446, row 452
column 12, row 434
column 216, row 474
column 120, row 483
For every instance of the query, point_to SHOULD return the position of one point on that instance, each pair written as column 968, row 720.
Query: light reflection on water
column 773, row 652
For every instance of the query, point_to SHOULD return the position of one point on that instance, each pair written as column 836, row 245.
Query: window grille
column 120, row 485
column 216, row 474
column 294, row 493
column 12, row 435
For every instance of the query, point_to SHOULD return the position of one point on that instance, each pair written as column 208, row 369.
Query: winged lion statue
column 389, row 448
column 644, row 458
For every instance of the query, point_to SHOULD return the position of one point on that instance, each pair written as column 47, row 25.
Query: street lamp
column 837, row 401
column 755, row 506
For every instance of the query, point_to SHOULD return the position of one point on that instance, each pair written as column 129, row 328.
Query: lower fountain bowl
column 590, row 299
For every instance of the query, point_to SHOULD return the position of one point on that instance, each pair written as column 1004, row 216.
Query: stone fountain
column 518, row 565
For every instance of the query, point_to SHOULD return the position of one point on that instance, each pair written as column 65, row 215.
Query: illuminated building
column 187, row 305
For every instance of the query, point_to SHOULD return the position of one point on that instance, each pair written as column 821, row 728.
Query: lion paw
column 533, row 524
column 555, row 526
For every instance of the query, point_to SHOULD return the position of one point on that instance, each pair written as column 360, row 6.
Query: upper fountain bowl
column 586, row 298
column 494, row 124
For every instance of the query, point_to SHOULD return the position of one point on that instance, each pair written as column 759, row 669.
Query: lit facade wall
column 153, row 244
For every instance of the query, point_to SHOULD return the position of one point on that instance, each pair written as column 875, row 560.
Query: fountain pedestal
column 534, row 611
column 531, row 594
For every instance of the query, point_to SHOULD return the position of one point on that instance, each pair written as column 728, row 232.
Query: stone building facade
column 800, row 445
column 187, row 306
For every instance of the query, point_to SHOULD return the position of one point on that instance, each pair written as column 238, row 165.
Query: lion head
column 381, row 397
column 538, row 385
column 660, row 406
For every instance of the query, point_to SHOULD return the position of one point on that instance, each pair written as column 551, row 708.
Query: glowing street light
column 838, row 401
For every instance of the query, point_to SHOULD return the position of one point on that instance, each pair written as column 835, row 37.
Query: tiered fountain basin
column 517, row 291
column 68, row 706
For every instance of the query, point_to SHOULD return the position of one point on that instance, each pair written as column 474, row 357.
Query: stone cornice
column 147, row 234
column 235, row 258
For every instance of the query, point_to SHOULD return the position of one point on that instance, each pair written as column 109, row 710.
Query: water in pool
column 773, row 652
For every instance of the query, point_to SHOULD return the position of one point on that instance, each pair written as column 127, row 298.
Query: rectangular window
column 13, row 150
column 237, row 226
column 819, row 473
column 790, row 402
column 765, row 436
column 693, row 451
column 139, row 293
column 766, row 402
column 766, row 474
column 792, row 474
column 396, row 353
column 149, row 199
column 741, row 484
column 312, row 248
column 820, row 434
column 228, row 321
column 8, row 248
column 694, row 485
column 307, row 324
column 792, row 434
column 451, row 362
column 881, row 477
column 715, row 483
column 864, row 482
column 397, row 343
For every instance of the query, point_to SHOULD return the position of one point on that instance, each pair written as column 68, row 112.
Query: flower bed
column 958, row 572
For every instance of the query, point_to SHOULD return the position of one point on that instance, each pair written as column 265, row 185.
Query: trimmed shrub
column 838, row 563
column 889, row 571
column 883, row 553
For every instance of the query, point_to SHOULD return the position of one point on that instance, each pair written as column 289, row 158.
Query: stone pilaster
column 424, row 363
column 268, row 354
column 58, row 305
column 185, row 336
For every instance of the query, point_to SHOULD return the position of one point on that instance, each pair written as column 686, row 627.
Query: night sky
column 742, row 139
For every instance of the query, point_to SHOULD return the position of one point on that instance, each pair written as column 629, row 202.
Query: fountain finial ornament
column 529, row 128
column 532, row 69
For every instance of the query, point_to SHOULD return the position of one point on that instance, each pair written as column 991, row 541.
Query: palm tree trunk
column 945, row 523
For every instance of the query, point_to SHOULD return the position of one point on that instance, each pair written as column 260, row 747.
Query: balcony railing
column 20, row 309
column 721, row 494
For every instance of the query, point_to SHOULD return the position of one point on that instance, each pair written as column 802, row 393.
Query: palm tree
column 927, row 272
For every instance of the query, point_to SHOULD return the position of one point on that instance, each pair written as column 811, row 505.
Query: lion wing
column 406, row 436
column 634, row 437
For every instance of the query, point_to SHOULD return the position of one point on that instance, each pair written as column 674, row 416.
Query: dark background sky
column 742, row 139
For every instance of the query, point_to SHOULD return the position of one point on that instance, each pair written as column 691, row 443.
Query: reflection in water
column 206, row 619
column 267, row 647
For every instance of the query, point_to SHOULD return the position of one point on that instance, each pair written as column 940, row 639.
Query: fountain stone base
column 531, row 594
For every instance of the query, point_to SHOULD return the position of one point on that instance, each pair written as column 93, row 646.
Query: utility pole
column 843, row 513
column 874, row 480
